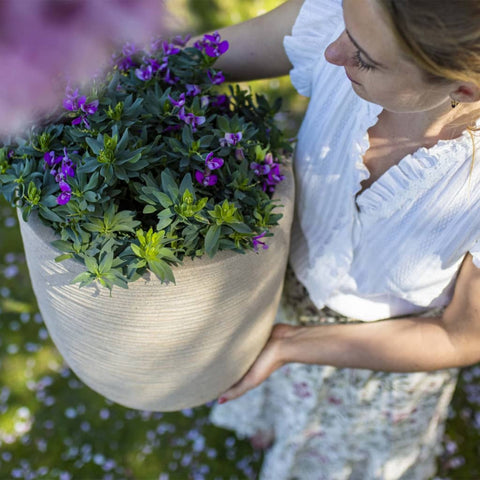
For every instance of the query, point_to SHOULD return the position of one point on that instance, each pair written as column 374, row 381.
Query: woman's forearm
column 256, row 46
column 399, row 345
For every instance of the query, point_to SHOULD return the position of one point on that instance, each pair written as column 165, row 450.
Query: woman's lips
column 351, row 79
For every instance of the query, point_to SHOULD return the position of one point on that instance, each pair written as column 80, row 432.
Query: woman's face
column 377, row 67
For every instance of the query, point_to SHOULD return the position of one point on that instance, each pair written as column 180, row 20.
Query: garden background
column 52, row 426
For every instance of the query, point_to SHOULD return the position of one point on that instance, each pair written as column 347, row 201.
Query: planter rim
column 47, row 235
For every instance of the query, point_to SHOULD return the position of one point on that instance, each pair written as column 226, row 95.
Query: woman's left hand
column 269, row 360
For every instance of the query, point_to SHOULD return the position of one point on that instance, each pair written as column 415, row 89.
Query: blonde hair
column 441, row 36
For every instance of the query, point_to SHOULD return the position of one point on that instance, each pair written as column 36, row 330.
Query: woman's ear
column 466, row 93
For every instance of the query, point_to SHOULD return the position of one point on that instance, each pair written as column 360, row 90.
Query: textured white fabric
column 397, row 248
column 343, row 424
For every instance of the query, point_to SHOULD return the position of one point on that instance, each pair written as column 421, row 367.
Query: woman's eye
column 360, row 63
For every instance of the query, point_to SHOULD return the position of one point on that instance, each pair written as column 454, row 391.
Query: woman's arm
column 256, row 46
column 397, row 345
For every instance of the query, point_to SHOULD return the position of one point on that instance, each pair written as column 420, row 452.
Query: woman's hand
column 269, row 360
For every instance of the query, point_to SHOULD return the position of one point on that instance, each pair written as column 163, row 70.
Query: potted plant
column 158, row 166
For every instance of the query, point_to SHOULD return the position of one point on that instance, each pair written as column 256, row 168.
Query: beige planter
column 163, row 347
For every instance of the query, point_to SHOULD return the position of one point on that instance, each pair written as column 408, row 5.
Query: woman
column 388, row 228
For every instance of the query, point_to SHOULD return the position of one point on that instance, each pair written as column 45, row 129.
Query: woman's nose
column 340, row 51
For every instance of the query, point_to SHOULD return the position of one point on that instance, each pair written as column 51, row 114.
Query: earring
column 454, row 103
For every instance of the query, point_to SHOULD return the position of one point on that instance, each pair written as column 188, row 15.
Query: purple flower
column 50, row 159
column 181, row 41
column 79, row 120
column 269, row 171
column 257, row 243
column 169, row 78
column 155, row 65
column 61, row 167
column 64, row 198
column 178, row 103
column 170, row 48
column 213, row 46
column 205, row 179
column 158, row 43
column 217, row 78
column 124, row 60
column 274, row 176
column 123, row 63
column 72, row 100
column 199, row 45
column 193, row 90
column 68, row 169
column 191, row 119
column 64, row 187
column 66, row 194
column 144, row 73
column 213, row 163
column 259, row 169
column 90, row 108
column 221, row 102
column 231, row 139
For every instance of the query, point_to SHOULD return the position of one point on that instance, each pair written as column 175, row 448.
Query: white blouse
column 395, row 249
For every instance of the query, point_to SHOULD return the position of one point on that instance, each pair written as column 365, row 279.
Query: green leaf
column 62, row 245
column 85, row 278
column 162, row 270
column 149, row 209
column 123, row 141
column 120, row 281
column 90, row 263
column 211, row 240
column 169, row 185
column 95, row 145
column 136, row 250
column 240, row 227
column 187, row 135
column 164, row 221
column 187, row 184
column 48, row 214
column 223, row 124
column 106, row 263
column 63, row 257
column 163, row 199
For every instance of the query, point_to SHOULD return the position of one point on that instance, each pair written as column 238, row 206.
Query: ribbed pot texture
column 163, row 347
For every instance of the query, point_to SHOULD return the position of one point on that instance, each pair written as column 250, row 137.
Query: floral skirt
column 339, row 423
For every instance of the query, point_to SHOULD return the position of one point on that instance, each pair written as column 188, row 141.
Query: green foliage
column 143, row 195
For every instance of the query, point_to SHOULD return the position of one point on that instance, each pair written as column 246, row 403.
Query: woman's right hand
column 270, row 359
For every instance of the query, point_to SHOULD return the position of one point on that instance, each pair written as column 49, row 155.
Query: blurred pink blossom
column 44, row 42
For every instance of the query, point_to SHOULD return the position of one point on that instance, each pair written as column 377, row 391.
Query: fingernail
column 222, row 400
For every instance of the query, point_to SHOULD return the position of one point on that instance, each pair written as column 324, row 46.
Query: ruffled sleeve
column 314, row 29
